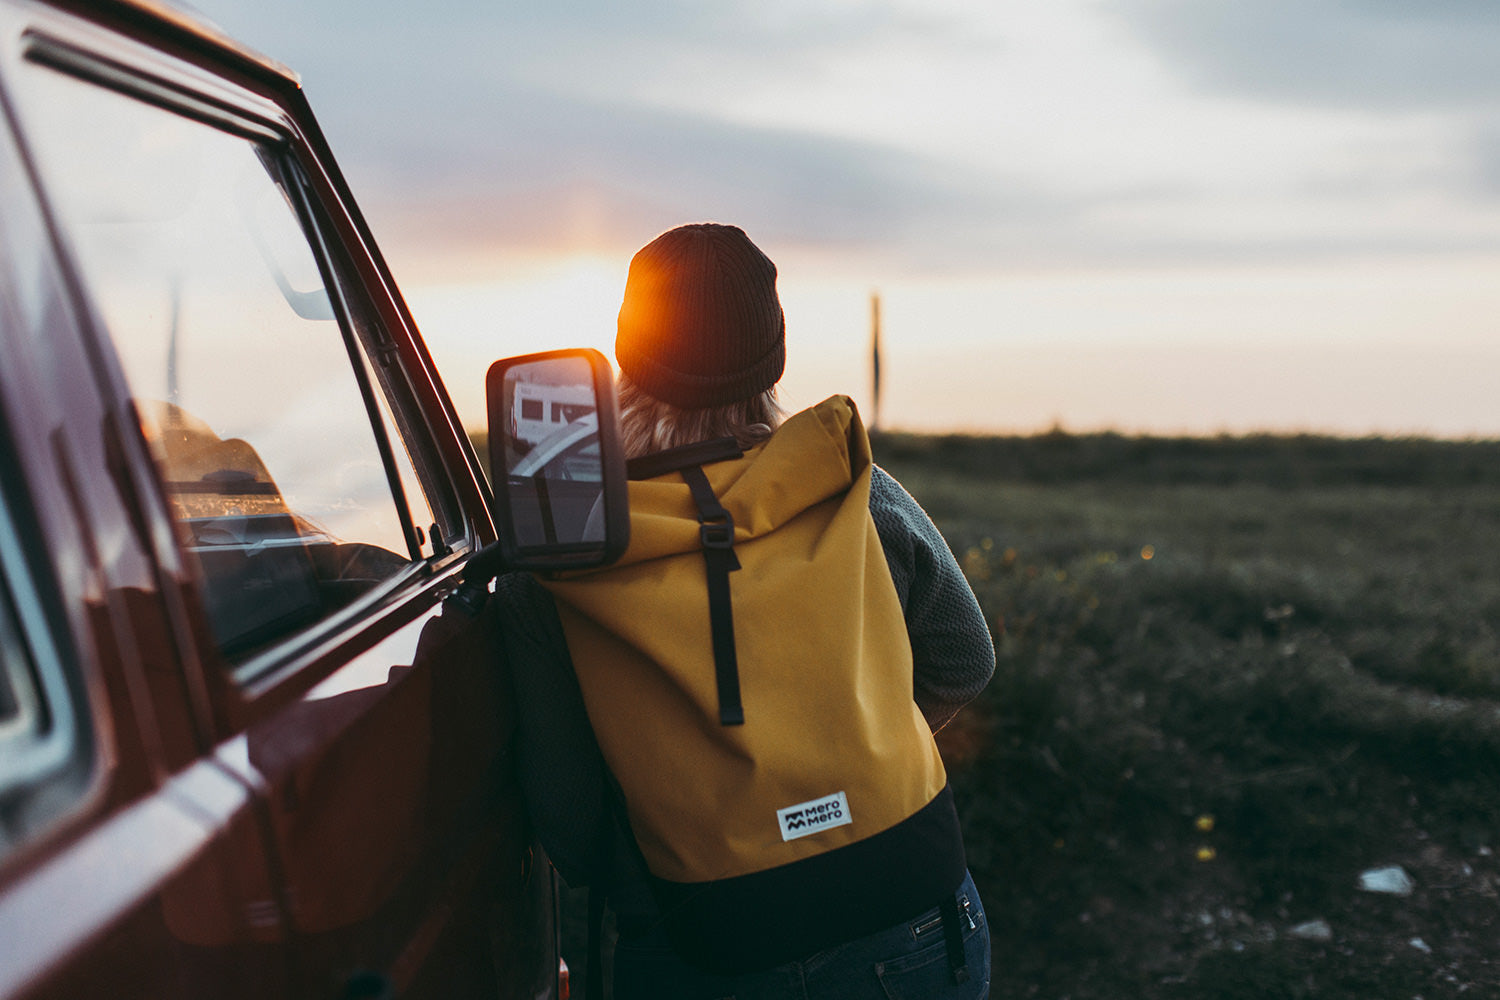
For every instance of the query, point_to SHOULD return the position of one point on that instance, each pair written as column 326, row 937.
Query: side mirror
column 558, row 467
column 557, row 461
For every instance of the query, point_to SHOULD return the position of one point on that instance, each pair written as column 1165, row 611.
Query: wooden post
column 875, row 360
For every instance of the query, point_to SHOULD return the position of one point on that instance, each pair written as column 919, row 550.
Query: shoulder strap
column 659, row 463
column 716, row 529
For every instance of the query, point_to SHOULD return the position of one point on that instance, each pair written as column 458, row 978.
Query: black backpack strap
column 953, row 936
column 615, row 821
column 599, row 886
column 593, row 984
column 716, row 529
column 659, row 463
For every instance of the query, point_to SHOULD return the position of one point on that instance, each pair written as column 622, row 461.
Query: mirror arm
column 471, row 594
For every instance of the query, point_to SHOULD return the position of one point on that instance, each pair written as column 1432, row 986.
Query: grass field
column 1233, row 675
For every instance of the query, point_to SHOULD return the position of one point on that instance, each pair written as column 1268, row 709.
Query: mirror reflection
column 553, row 472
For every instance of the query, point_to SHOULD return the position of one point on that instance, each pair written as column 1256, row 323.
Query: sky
column 1156, row 216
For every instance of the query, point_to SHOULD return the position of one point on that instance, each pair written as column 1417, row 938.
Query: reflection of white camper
column 541, row 409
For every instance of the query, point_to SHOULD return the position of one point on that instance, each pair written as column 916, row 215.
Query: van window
column 249, row 385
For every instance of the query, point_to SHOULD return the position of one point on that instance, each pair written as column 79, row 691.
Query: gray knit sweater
column 561, row 770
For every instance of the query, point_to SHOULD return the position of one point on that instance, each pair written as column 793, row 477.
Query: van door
column 129, row 866
column 294, row 477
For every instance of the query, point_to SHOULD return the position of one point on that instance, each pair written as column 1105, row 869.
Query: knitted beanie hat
column 701, row 324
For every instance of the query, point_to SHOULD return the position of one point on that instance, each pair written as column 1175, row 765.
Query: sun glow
column 1402, row 347
column 536, row 304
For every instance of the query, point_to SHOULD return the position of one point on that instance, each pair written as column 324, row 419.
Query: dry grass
column 1233, row 674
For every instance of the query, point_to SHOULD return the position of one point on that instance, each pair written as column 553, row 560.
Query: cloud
column 1486, row 158
column 1414, row 86
column 548, row 171
column 619, row 41
column 1376, row 55
column 466, row 126
column 535, row 125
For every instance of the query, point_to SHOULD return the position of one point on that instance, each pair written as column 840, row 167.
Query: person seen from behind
column 729, row 731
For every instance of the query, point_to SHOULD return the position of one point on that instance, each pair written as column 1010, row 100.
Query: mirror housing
column 557, row 462
column 557, row 467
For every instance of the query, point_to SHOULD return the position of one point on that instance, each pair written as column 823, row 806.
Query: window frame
column 58, row 734
column 296, row 185
column 279, row 142
column 374, row 355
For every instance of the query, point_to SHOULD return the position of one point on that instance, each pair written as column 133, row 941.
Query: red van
column 243, row 750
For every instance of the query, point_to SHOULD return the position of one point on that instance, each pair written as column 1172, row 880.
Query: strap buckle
column 717, row 533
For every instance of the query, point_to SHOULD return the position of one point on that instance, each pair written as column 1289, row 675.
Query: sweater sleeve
column 952, row 652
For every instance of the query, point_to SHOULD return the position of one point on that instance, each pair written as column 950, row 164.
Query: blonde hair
column 648, row 425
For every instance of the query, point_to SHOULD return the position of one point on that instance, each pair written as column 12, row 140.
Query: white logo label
column 806, row 818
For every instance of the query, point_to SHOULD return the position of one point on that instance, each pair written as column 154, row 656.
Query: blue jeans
column 906, row 962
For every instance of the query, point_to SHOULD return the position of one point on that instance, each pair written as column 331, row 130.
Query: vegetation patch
column 1234, row 674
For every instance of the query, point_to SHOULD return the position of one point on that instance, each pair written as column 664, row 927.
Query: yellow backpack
column 747, row 672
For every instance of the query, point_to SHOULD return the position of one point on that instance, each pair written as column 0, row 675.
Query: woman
column 770, row 817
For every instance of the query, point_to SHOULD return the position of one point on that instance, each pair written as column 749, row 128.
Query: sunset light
column 1150, row 216
column 1002, row 499
column 533, row 305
